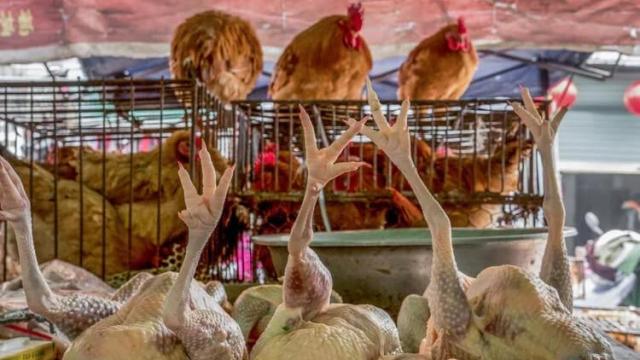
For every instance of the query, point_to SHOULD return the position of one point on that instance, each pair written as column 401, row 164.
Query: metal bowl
column 382, row 267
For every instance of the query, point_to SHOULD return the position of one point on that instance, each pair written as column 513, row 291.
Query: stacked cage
column 99, row 161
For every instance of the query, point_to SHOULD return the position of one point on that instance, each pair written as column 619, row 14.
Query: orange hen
column 440, row 67
column 220, row 50
column 328, row 61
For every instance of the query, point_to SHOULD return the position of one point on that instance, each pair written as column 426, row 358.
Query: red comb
column 462, row 28
column 355, row 9
column 356, row 14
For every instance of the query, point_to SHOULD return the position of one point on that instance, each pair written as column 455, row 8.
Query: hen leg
column 555, row 264
column 307, row 282
column 72, row 314
column 204, row 333
column 447, row 301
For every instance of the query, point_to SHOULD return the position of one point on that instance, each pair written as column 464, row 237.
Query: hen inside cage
column 475, row 156
column 99, row 161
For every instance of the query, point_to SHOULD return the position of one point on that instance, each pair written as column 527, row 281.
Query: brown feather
column 316, row 65
column 222, row 51
column 69, row 237
column 433, row 72
column 147, row 191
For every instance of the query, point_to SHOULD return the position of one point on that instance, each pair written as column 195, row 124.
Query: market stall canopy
column 41, row 30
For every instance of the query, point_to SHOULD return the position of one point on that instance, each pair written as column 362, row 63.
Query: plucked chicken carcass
column 172, row 317
column 221, row 51
column 440, row 67
column 505, row 312
column 256, row 305
column 69, row 217
column 163, row 317
column 328, row 61
column 306, row 326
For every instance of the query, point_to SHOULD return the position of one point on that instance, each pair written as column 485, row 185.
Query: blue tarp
column 496, row 76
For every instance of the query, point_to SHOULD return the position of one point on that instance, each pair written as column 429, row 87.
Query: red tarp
column 37, row 30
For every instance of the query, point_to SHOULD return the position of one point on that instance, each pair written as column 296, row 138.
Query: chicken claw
column 555, row 266
column 204, row 210
column 321, row 164
column 73, row 313
column 543, row 130
column 446, row 297
column 205, row 333
column 393, row 140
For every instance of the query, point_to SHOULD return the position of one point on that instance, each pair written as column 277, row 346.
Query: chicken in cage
column 475, row 155
column 99, row 160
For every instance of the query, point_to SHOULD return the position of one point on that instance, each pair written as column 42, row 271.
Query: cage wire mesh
column 470, row 153
column 99, row 161
column 123, row 137
column 476, row 156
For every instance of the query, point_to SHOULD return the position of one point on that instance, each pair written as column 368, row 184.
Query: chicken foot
column 447, row 301
column 204, row 333
column 307, row 282
column 555, row 265
column 72, row 314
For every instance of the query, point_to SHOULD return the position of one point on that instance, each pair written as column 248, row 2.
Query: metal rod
column 130, row 215
column 553, row 65
column 55, row 177
column 160, row 192
column 104, row 182
column 81, row 181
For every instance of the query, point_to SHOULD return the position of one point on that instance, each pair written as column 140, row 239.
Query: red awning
column 38, row 30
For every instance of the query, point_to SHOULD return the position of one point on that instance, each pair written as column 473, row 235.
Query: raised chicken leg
column 71, row 314
column 447, row 301
column 555, row 264
column 308, row 283
column 306, row 326
column 506, row 312
column 204, row 333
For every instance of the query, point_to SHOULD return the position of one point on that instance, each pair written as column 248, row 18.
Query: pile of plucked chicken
column 503, row 313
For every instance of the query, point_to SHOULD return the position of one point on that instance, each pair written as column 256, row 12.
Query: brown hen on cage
column 219, row 50
column 440, row 67
column 328, row 61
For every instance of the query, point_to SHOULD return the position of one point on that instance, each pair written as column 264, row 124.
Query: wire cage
column 99, row 161
column 476, row 156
